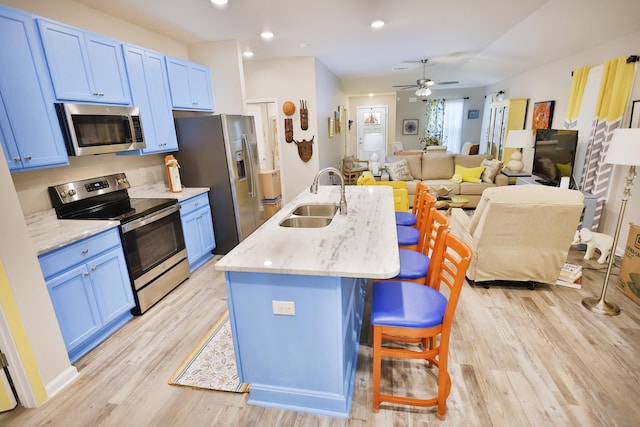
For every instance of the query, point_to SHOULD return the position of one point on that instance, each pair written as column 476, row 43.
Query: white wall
column 553, row 82
column 329, row 96
column 224, row 60
column 409, row 106
column 289, row 79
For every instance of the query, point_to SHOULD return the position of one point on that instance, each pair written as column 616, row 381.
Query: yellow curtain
column 578, row 83
column 617, row 79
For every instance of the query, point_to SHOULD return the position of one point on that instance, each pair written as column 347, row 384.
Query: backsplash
column 31, row 186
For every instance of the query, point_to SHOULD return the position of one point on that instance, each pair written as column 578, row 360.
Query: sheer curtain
column 452, row 126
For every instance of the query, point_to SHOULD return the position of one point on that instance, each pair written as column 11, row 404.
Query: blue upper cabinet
column 84, row 66
column 29, row 130
column 150, row 92
column 190, row 85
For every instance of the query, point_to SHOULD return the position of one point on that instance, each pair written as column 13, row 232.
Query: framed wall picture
column 410, row 127
column 473, row 114
column 542, row 115
column 635, row 115
column 332, row 126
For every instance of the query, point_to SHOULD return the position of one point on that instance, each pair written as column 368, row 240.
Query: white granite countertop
column 48, row 232
column 362, row 243
column 160, row 191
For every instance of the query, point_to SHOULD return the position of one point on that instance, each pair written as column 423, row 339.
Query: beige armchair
column 519, row 233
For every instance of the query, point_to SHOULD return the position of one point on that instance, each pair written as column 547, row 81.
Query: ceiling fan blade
column 405, row 86
column 448, row 83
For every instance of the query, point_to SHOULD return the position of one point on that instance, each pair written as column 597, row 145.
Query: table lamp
column 373, row 142
column 624, row 149
column 518, row 139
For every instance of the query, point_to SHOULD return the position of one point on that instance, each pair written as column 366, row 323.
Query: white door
column 372, row 120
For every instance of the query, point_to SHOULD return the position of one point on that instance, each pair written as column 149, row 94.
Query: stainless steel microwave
column 99, row 129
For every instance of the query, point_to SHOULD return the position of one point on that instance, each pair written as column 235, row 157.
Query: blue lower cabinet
column 197, row 226
column 90, row 290
column 305, row 361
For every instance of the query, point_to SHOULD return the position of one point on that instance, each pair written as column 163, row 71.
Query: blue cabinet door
column 189, row 85
column 29, row 129
column 84, row 66
column 75, row 306
column 150, row 92
column 111, row 285
column 197, row 226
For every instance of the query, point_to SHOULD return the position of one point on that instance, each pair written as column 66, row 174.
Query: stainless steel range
column 151, row 232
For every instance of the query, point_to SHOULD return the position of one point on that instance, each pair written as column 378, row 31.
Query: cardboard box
column 629, row 279
column 271, row 206
column 269, row 182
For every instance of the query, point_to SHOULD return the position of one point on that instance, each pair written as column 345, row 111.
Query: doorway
column 371, row 120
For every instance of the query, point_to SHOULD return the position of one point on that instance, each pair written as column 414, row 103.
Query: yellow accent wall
column 10, row 310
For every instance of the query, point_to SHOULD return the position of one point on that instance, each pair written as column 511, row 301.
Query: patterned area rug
column 212, row 365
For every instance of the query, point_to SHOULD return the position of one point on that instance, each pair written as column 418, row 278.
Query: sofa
column 436, row 170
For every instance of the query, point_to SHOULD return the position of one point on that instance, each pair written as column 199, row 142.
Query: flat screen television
column 554, row 155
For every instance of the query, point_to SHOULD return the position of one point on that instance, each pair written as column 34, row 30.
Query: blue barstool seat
column 406, row 304
column 408, row 236
column 407, row 219
column 413, row 265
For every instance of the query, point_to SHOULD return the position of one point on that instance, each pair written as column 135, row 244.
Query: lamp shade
column 624, row 148
column 519, row 139
column 423, row 91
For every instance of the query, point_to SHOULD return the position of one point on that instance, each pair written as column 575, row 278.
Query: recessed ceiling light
column 219, row 2
column 247, row 54
column 266, row 35
column 370, row 95
column 378, row 23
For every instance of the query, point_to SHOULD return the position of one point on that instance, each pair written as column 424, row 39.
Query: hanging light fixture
column 423, row 91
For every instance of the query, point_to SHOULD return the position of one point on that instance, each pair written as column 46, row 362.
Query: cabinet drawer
column 78, row 252
column 190, row 205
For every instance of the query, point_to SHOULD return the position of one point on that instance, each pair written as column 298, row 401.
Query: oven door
column 150, row 241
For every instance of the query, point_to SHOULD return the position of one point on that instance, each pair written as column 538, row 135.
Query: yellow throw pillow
column 564, row 168
column 470, row 174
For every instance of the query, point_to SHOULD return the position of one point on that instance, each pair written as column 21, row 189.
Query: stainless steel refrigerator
column 220, row 152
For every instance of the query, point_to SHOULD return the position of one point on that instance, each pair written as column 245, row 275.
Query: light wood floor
column 518, row 358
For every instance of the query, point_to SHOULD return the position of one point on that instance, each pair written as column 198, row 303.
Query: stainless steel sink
column 306, row 221
column 316, row 210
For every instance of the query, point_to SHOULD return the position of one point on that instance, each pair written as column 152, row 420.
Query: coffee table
column 451, row 202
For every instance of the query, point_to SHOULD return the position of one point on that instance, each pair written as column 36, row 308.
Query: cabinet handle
column 85, row 251
column 27, row 158
column 101, row 93
column 197, row 204
column 94, row 268
column 86, row 273
column 195, row 102
column 17, row 159
column 199, row 217
column 95, row 93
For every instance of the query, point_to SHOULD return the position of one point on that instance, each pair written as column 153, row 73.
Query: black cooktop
column 122, row 210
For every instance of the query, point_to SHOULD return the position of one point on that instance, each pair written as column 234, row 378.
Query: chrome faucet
column 314, row 187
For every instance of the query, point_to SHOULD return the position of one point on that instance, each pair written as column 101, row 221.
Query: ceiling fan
column 423, row 84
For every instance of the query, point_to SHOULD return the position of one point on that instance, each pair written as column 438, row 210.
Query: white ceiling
column 476, row 42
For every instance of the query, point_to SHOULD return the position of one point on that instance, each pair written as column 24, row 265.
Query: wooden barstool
column 409, row 218
column 408, row 312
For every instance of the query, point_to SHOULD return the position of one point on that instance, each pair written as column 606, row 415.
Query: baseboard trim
column 67, row 377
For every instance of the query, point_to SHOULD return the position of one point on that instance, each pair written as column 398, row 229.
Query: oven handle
column 162, row 213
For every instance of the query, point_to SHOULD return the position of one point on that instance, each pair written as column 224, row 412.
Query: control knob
column 72, row 192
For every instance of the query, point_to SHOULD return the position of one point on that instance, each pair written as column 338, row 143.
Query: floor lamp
column 624, row 149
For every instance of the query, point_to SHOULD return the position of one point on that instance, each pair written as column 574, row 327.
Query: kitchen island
column 296, row 299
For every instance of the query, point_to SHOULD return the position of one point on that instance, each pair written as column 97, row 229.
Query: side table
column 512, row 174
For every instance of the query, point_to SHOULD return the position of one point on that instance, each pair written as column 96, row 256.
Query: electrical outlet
column 286, row 308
